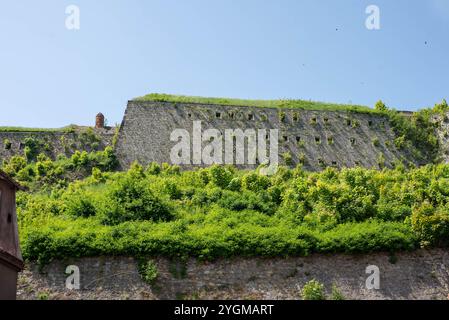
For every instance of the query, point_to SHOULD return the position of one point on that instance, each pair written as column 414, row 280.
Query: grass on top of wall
column 23, row 129
column 281, row 103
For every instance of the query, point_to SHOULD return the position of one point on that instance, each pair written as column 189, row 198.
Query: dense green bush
column 313, row 290
column 128, row 199
column 224, row 212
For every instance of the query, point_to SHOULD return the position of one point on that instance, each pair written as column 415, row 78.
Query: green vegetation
column 79, row 205
column 22, row 129
column 336, row 293
column 282, row 103
column 7, row 144
column 224, row 212
column 380, row 106
column 313, row 290
column 41, row 173
column 148, row 271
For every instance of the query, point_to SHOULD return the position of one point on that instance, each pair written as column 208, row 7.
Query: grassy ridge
column 23, row 129
column 287, row 104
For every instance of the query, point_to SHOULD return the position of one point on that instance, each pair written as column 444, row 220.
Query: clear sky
column 316, row 49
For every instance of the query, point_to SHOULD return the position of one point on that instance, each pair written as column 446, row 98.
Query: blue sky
column 314, row 49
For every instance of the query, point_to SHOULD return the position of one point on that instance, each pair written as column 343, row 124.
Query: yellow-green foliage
column 223, row 212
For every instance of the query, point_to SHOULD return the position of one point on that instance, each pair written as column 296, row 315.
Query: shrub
column 255, row 182
column 313, row 290
column 148, row 271
column 336, row 293
column 380, row 106
column 288, row 159
column 220, row 176
column 7, row 144
column 130, row 199
column 431, row 224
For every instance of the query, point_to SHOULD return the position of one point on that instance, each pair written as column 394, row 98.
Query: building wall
column 327, row 138
column 52, row 143
column 409, row 275
column 8, row 282
column 9, row 240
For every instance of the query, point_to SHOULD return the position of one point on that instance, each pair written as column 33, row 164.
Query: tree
column 380, row 106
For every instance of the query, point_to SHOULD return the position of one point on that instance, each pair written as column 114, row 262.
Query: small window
column 250, row 116
column 330, row 140
column 370, row 123
column 285, row 138
column 9, row 217
column 231, row 115
column 189, row 115
column 267, row 137
column 313, row 120
column 321, row 162
column 348, row 122
column 295, row 116
column 298, row 139
column 218, row 115
column 334, row 163
column 318, row 140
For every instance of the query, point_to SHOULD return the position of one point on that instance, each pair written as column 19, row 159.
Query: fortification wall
column 314, row 138
column 408, row 275
column 54, row 143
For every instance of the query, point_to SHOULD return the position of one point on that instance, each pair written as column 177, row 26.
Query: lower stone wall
column 54, row 143
column 417, row 275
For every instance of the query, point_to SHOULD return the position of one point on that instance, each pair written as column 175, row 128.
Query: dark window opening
column 334, row 163
column 295, row 117
column 348, row 122
column 370, row 123
column 250, row 117
column 231, row 115
column 9, row 218
column 285, row 138
column 317, row 139
column 298, row 139
column 218, row 115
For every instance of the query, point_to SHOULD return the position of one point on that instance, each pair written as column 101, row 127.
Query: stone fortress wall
column 316, row 139
column 54, row 143
column 420, row 275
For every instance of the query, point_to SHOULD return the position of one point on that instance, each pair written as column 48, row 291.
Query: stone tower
column 99, row 121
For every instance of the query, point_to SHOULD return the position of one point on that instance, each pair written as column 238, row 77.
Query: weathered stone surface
column 52, row 143
column 416, row 275
column 326, row 138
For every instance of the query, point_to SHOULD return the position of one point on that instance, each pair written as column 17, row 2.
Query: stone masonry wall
column 415, row 275
column 314, row 138
column 55, row 143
